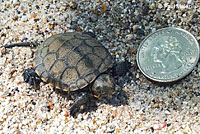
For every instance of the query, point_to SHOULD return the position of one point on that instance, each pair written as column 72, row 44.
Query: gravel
column 140, row 106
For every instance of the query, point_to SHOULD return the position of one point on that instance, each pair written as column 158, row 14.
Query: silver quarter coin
column 168, row 54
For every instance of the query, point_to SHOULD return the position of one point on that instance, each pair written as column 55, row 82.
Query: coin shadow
column 164, row 83
column 168, row 84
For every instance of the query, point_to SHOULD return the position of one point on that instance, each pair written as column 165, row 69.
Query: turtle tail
column 21, row 44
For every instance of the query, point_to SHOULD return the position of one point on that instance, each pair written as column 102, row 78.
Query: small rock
column 189, row 1
column 145, row 10
column 50, row 103
column 159, row 126
column 156, row 105
column 166, row 5
column 1, row 119
column 52, row 6
column 129, row 37
column 15, row 1
column 94, row 18
column 137, row 75
column 160, row 5
column 141, row 31
column 2, row 61
column 167, row 112
column 32, row 15
column 135, row 27
column 104, row 7
column 51, row 26
column 3, row 51
column 24, row 18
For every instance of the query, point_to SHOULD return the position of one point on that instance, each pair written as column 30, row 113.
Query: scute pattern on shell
column 71, row 60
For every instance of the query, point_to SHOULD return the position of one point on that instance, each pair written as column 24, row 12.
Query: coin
column 168, row 54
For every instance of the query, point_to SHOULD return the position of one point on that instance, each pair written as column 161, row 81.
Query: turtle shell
column 71, row 61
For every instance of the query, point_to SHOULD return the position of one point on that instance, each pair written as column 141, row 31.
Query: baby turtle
column 73, row 61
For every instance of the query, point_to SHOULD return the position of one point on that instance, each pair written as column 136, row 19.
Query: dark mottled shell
column 71, row 60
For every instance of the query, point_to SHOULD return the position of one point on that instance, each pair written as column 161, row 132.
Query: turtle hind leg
column 31, row 77
column 81, row 104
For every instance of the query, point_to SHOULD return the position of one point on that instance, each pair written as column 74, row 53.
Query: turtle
column 73, row 61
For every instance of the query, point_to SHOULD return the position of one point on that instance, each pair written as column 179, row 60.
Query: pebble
column 167, row 112
column 24, row 18
column 94, row 17
column 189, row 2
column 159, row 126
column 3, row 51
column 2, row 61
column 160, row 6
column 156, row 105
column 129, row 37
column 135, row 27
column 14, row 1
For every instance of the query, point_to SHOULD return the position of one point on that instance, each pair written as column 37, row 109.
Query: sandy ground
column 141, row 106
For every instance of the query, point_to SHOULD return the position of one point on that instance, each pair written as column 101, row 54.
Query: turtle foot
column 31, row 77
column 80, row 104
column 121, row 68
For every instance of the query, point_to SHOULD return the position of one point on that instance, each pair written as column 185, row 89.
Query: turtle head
column 103, row 86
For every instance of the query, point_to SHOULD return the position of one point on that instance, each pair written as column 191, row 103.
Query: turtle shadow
column 118, row 99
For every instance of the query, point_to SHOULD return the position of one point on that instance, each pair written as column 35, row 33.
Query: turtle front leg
column 31, row 77
column 80, row 104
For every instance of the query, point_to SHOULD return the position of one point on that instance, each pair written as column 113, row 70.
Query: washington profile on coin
column 168, row 54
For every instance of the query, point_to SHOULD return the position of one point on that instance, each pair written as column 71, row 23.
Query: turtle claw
column 31, row 77
column 80, row 104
